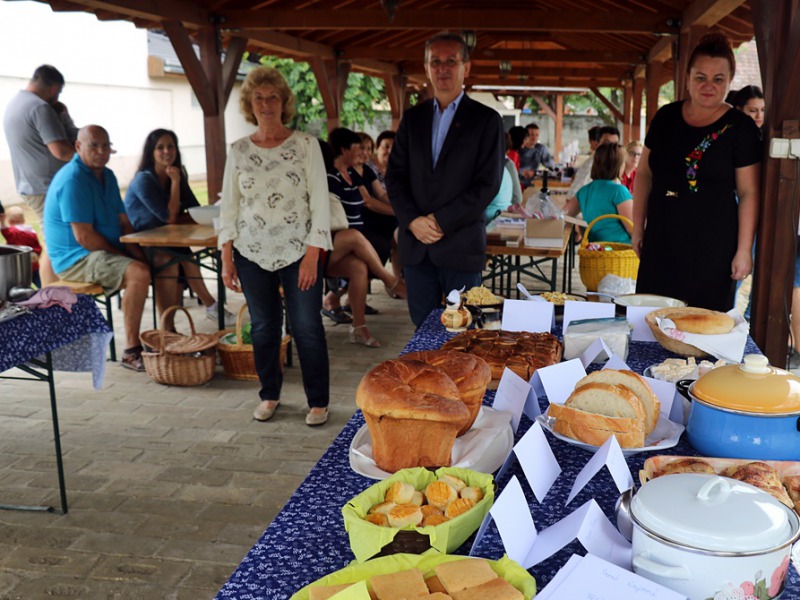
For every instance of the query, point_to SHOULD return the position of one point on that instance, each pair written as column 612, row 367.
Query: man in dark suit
column 445, row 167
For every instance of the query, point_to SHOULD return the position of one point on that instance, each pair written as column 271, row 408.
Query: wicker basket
column 174, row 359
column 673, row 345
column 237, row 359
column 621, row 260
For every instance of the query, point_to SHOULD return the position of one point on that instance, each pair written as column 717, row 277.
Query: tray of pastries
column 781, row 478
column 521, row 351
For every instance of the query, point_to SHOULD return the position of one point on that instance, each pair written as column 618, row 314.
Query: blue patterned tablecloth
column 76, row 339
column 307, row 539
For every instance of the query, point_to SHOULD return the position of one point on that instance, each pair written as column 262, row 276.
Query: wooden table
column 506, row 261
column 188, row 235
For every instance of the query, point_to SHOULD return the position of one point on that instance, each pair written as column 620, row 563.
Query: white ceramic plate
column 648, row 300
column 484, row 447
column 665, row 435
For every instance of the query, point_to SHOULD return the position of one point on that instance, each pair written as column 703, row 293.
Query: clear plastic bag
column 615, row 285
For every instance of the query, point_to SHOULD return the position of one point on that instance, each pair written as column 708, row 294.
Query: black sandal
column 132, row 359
column 337, row 315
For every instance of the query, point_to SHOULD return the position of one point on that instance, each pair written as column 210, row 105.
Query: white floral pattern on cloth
column 275, row 201
column 307, row 539
column 696, row 155
column 77, row 341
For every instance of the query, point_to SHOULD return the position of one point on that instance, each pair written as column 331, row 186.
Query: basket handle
column 239, row 341
column 162, row 327
column 585, row 240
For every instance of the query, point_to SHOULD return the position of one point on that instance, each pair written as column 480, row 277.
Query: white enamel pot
column 704, row 536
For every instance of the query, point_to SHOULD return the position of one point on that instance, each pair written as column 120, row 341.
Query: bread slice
column 595, row 429
column 606, row 399
column 400, row 585
column 636, row 384
column 323, row 592
column 461, row 574
column 496, row 589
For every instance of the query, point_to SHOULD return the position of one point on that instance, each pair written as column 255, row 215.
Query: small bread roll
column 433, row 520
column 429, row 510
column 454, row 482
column 472, row 493
column 379, row 519
column 417, row 498
column 404, row 515
column 440, row 494
column 458, row 507
column 383, row 508
column 400, row 492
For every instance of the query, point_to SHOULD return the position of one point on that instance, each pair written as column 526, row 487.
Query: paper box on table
column 544, row 233
column 367, row 539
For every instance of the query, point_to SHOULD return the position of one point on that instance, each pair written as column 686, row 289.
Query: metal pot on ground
column 15, row 268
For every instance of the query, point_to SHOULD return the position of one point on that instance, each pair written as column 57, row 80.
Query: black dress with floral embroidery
column 690, row 236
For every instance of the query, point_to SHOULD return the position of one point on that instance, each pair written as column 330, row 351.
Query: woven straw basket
column 621, row 260
column 174, row 359
column 673, row 345
column 237, row 359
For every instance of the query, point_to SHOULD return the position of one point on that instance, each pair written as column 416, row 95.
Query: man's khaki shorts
column 100, row 267
column 37, row 204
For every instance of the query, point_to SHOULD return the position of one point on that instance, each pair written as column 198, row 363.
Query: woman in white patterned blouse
column 274, row 226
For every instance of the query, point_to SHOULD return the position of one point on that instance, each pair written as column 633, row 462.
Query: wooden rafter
column 456, row 19
column 540, row 56
column 610, row 105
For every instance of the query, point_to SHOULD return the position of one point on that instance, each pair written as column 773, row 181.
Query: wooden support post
column 615, row 112
column 685, row 43
column 331, row 78
column 542, row 101
column 627, row 101
column 636, row 109
column 395, row 91
column 519, row 102
column 653, row 85
column 559, row 142
column 211, row 83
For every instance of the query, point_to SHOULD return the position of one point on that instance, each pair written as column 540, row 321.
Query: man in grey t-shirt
column 34, row 123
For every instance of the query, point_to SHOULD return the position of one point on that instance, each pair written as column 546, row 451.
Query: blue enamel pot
column 748, row 411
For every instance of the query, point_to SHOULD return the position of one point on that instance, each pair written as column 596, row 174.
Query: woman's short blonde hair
column 608, row 161
column 266, row 76
column 634, row 145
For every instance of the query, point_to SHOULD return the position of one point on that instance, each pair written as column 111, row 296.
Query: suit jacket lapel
column 427, row 133
column 454, row 133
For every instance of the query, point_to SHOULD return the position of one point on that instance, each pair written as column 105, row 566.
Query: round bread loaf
column 470, row 373
column 413, row 411
column 700, row 320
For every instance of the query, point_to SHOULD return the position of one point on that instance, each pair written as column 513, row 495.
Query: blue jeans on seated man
column 427, row 284
column 261, row 290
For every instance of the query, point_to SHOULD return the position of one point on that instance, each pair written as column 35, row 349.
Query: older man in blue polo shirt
column 83, row 219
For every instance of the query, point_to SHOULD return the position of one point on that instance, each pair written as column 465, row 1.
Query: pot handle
column 644, row 563
column 682, row 385
column 714, row 491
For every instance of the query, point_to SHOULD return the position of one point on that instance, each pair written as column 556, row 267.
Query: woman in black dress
column 692, row 236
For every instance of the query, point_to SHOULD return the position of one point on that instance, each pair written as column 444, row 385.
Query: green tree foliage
column 360, row 97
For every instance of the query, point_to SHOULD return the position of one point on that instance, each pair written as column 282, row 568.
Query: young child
column 18, row 233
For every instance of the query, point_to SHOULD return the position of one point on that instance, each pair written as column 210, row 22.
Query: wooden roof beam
column 506, row 20
column 517, row 71
column 590, row 56
column 707, row 13
column 154, row 10
column 281, row 42
column 610, row 105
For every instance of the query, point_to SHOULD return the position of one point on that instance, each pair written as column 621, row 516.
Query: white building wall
column 107, row 83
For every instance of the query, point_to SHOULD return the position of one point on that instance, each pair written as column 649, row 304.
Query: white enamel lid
column 710, row 512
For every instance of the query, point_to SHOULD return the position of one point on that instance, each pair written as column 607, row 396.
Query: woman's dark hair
column 743, row 96
column 384, row 135
column 148, row 162
column 608, row 162
column 327, row 156
column 713, row 45
column 341, row 139
column 518, row 135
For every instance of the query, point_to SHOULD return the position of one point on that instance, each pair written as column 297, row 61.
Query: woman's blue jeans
column 262, row 291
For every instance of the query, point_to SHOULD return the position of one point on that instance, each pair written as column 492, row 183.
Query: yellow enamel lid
column 753, row 387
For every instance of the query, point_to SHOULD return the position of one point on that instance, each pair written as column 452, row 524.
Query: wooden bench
column 96, row 291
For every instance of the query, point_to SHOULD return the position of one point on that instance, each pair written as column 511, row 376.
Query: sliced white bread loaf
column 607, row 399
column 636, row 384
column 595, row 429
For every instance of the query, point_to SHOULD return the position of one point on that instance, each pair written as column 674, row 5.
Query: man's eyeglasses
column 450, row 63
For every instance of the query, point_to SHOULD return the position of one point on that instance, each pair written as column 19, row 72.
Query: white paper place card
column 537, row 461
column 591, row 528
column 575, row 311
column 595, row 349
column 559, row 380
column 609, row 455
column 514, row 521
column 616, row 363
column 665, row 391
column 592, row 578
column 512, row 393
column 522, row 315
column 641, row 330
